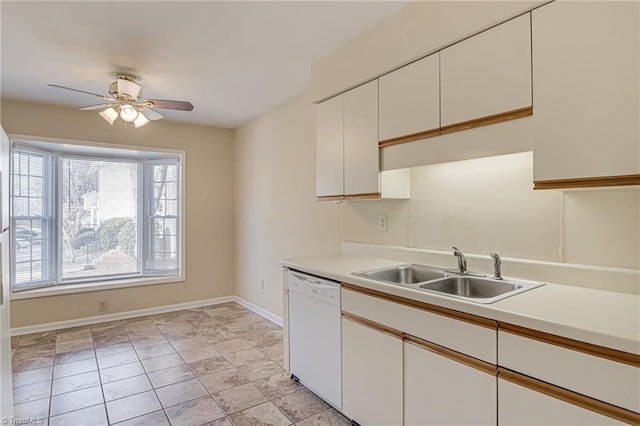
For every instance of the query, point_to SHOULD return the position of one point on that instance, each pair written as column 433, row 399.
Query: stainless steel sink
column 478, row 289
column 404, row 274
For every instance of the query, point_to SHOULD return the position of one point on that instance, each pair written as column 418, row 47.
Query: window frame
column 63, row 148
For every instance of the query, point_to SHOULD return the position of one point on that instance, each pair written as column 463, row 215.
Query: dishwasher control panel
column 317, row 288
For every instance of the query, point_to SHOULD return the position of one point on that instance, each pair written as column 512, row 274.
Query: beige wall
column 277, row 215
column 209, row 209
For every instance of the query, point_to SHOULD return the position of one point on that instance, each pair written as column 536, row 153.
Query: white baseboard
column 18, row 331
column 260, row 311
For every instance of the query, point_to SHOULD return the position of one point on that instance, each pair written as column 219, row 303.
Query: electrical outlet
column 262, row 284
column 102, row 307
column 383, row 223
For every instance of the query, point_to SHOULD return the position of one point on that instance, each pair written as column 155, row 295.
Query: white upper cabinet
column 329, row 146
column 361, row 160
column 587, row 91
column 487, row 74
column 410, row 99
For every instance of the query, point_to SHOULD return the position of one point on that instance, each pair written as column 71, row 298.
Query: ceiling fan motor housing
column 125, row 88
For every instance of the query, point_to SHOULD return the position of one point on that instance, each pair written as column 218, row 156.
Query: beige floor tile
column 260, row 369
column 180, row 334
column 328, row 417
column 14, row 341
column 223, row 380
column 190, row 343
column 155, row 351
column 132, row 406
column 31, row 360
column 126, row 387
column 74, row 345
column 32, row 376
column 110, row 339
column 37, row 408
column 300, row 405
column 76, row 400
column 220, row 336
column 76, row 382
column 240, row 398
column 92, row 416
column 196, row 412
column 31, row 392
column 37, row 338
column 172, row 375
column 76, row 367
column 157, row 418
column 265, row 414
column 121, row 372
column 232, row 346
column 180, row 392
column 220, row 422
column 210, row 365
column 272, row 351
column 100, row 326
column 113, row 348
column 244, row 356
column 76, row 334
column 118, row 358
column 193, row 355
column 73, row 356
column 162, row 362
column 149, row 340
column 277, row 385
column 175, row 326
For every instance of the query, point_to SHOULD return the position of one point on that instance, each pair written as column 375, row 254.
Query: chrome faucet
column 496, row 266
column 462, row 261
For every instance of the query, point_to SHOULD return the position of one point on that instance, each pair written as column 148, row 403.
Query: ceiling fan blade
column 152, row 114
column 82, row 91
column 177, row 105
column 96, row 107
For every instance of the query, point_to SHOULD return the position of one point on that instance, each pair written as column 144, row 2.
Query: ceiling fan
column 126, row 101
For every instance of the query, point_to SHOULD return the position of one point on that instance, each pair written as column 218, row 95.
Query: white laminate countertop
column 598, row 317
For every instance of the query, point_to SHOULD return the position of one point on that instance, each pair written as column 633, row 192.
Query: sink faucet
column 496, row 266
column 462, row 261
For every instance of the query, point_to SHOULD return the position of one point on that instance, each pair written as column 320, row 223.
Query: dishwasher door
column 315, row 335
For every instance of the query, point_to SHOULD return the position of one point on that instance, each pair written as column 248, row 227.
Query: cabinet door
column 410, row 99
column 371, row 375
column 441, row 391
column 361, row 161
column 487, row 74
column 518, row 405
column 329, row 145
column 587, row 91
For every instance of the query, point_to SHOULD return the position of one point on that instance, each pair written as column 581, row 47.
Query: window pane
column 99, row 218
column 163, row 225
column 31, row 220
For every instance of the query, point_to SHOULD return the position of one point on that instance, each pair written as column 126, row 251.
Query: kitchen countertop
column 599, row 317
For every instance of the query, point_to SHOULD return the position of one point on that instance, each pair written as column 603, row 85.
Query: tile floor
column 216, row 365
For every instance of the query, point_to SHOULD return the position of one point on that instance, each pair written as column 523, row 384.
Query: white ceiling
column 233, row 60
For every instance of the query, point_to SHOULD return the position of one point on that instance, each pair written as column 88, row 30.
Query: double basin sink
column 480, row 289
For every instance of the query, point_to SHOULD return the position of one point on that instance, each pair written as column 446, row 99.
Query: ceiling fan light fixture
column 128, row 113
column 140, row 121
column 109, row 115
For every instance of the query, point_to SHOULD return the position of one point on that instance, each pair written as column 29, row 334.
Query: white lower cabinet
column 519, row 405
column 371, row 375
column 441, row 391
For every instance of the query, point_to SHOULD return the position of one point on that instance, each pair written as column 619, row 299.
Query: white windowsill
column 94, row 286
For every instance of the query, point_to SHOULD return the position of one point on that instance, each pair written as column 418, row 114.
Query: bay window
column 87, row 214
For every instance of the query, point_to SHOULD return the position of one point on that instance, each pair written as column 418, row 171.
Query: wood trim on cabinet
column 588, row 182
column 329, row 197
column 374, row 325
column 461, row 316
column 576, row 345
column 453, row 355
column 364, row 196
column 577, row 399
column 409, row 138
column 489, row 119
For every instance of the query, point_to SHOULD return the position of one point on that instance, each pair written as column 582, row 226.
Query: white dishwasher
column 315, row 335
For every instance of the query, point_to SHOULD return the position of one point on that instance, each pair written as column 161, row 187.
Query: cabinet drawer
column 478, row 341
column 613, row 382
